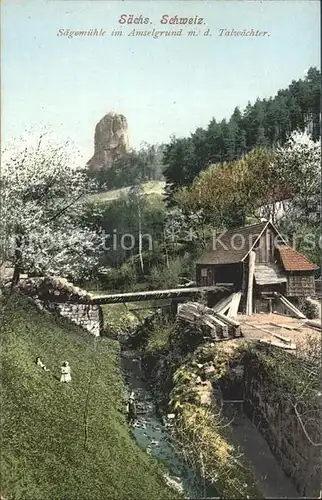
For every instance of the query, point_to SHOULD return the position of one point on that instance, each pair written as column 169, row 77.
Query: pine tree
column 266, row 123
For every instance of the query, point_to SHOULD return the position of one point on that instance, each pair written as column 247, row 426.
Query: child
column 41, row 364
column 65, row 372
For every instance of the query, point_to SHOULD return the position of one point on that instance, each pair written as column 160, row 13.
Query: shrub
column 163, row 277
column 122, row 278
column 309, row 308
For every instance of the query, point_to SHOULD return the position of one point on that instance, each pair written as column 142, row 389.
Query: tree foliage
column 256, row 186
column 123, row 220
column 266, row 123
column 133, row 168
column 42, row 230
column 298, row 163
column 227, row 192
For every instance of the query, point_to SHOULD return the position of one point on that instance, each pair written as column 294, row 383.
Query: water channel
column 152, row 433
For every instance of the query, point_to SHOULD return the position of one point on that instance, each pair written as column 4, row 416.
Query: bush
column 163, row 277
column 122, row 278
column 309, row 308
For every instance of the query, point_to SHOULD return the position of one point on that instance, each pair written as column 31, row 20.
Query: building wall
column 264, row 248
column 209, row 275
column 300, row 284
column 205, row 275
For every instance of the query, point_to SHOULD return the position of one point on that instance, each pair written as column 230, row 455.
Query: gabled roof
column 233, row 245
column 294, row 261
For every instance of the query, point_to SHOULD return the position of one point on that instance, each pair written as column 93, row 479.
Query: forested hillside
column 266, row 123
column 132, row 168
column 217, row 178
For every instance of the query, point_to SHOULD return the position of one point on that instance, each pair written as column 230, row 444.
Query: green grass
column 159, row 337
column 42, row 421
column 118, row 319
column 151, row 188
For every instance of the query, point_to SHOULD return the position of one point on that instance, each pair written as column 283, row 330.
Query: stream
column 152, row 433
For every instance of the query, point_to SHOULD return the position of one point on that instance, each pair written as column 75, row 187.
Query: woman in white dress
column 65, row 372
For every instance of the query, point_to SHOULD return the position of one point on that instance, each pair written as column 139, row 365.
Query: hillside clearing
column 43, row 421
column 151, row 188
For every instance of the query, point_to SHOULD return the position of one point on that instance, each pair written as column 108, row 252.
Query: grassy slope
column 152, row 188
column 42, row 448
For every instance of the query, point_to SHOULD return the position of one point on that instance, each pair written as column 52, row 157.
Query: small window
column 204, row 272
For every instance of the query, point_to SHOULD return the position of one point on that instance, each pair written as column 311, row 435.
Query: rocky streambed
column 153, row 433
column 211, row 376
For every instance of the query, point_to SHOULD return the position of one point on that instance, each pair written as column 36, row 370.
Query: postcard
column 160, row 272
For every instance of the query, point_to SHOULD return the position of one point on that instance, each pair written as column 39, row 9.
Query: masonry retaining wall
column 86, row 316
column 58, row 296
column 275, row 417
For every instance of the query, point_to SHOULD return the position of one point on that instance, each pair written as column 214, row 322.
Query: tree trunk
column 166, row 248
column 17, row 263
column 140, row 238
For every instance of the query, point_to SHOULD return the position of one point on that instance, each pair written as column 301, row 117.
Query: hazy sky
column 163, row 86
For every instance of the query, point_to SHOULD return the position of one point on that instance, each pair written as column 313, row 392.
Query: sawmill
column 266, row 279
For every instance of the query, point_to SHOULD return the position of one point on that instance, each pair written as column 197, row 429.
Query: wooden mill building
column 256, row 258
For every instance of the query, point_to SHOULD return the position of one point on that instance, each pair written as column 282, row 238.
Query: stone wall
column 86, row 316
column 274, row 415
column 58, row 296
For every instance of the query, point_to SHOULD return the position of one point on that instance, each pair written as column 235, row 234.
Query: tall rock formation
column 111, row 141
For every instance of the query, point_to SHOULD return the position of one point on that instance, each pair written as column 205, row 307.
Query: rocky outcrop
column 110, row 141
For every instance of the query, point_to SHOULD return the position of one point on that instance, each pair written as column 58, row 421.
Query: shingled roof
column 232, row 246
column 295, row 261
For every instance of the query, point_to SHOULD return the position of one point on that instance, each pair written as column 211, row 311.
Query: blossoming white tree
column 298, row 166
column 43, row 188
column 298, row 163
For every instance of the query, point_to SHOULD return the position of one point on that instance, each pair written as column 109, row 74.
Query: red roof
column 295, row 261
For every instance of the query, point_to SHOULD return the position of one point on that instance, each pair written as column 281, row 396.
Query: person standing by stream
column 131, row 410
column 65, row 372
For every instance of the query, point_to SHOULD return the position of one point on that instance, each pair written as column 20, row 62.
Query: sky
column 165, row 86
